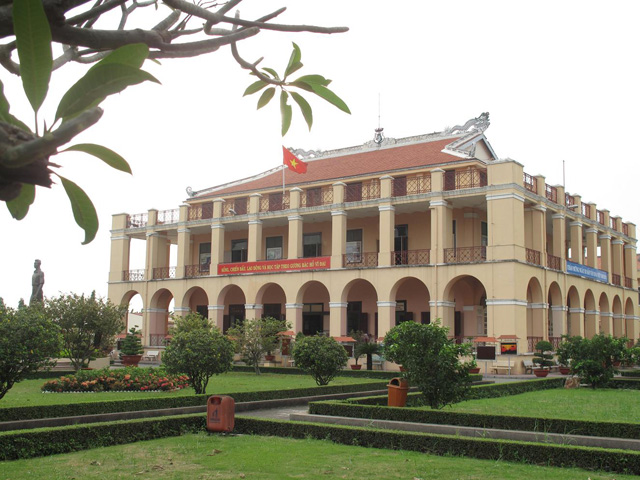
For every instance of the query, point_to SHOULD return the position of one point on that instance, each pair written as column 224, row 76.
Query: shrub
column 131, row 379
column 131, row 345
column 431, row 360
column 593, row 358
column 198, row 350
column 322, row 357
column 257, row 337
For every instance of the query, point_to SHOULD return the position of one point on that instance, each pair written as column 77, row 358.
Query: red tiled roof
column 334, row 168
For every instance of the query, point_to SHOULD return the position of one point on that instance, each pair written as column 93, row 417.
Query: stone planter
column 356, row 367
column 564, row 370
column 540, row 372
column 474, row 370
column 131, row 360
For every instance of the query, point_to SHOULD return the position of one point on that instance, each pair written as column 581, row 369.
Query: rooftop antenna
column 378, row 137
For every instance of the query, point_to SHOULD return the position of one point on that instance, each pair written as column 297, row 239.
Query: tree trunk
column 369, row 361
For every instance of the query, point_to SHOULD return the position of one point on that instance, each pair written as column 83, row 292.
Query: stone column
column 294, row 315
column 337, row 319
column 605, row 253
column 575, row 325
column 576, row 242
column 254, row 252
column 120, row 248
column 253, row 310
column 616, row 258
column 216, row 315
column 591, row 326
column 606, row 323
column 559, row 238
column 631, row 265
column 294, row 198
column 296, row 225
column 217, row 247
column 592, row 248
column 539, row 233
column 387, row 226
column 386, row 316
column 338, row 237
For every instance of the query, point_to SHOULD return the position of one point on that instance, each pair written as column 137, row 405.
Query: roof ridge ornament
column 478, row 124
column 378, row 137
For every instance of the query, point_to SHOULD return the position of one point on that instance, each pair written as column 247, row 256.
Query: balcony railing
column 553, row 262
column 237, row 206
column 138, row 220
column 360, row 260
column 133, row 275
column 551, row 193
column 465, row 254
column 628, row 282
column 625, row 229
column 530, row 182
column 568, row 200
column 167, row 217
column 412, row 185
column 199, row 270
column 555, row 342
column 612, row 223
column 600, row 217
column 586, row 210
column 533, row 256
column 531, row 343
column 313, row 197
column 357, row 192
column 460, row 179
column 200, row 211
column 410, row 257
column 274, row 202
column 615, row 279
column 157, row 339
column 161, row 273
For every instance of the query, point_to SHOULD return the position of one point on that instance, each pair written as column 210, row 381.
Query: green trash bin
column 398, row 388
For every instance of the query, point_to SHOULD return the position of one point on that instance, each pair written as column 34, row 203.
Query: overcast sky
column 559, row 79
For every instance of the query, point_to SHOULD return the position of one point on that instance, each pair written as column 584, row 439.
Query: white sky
column 560, row 80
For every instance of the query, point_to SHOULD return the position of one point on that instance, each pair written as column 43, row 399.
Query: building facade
column 415, row 229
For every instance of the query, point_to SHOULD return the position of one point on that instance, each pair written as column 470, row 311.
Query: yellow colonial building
column 412, row 229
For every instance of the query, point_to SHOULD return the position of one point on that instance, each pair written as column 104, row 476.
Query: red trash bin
column 220, row 413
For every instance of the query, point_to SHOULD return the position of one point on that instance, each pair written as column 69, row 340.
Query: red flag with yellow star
column 293, row 162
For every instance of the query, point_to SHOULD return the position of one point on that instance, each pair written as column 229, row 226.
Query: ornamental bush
column 131, row 379
column 431, row 361
column 321, row 357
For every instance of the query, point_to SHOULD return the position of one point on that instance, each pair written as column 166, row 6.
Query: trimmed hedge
column 621, row 461
column 42, row 442
column 628, row 383
column 93, row 408
column 502, row 422
column 629, row 373
column 493, row 390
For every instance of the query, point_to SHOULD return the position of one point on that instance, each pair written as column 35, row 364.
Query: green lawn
column 27, row 392
column 602, row 405
column 205, row 456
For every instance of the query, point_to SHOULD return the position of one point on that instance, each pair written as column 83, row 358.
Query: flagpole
column 283, row 169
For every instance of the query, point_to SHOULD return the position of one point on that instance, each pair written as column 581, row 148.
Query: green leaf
column 254, row 87
column 330, row 97
column 133, row 55
column 285, row 112
column 5, row 116
column 314, row 79
column 33, row 41
column 19, row 206
column 83, row 210
column 266, row 97
column 294, row 61
column 273, row 73
column 108, row 156
column 98, row 83
column 305, row 108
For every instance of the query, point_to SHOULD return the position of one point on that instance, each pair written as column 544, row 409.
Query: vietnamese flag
column 291, row 161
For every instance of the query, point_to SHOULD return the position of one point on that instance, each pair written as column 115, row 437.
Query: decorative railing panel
column 625, row 229
column 138, row 220
column 615, row 279
column 313, row 197
column 161, row 273
column 612, row 223
column 360, row 260
column 460, row 179
column 167, row 217
column 157, row 339
column 628, row 282
column 133, row 275
column 371, row 189
column 237, row 206
column 533, row 256
column 530, row 182
column 274, row 202
column 551, row 193
column 200, row 211
column 553, row 262
column 199, row 270
column 568, row 200
column 531, row 343
column 555, row 342
column 600, row 217
column 465, row 254
column 586, row 210
column 412, row 185
column 410, row 257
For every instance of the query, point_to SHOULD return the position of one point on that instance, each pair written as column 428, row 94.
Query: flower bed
column 131, row 379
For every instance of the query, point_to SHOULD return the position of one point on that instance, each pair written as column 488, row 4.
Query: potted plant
column 131, row 349
column 542, row 358
column 564, row 353
column 473, row 366
column 368, row 348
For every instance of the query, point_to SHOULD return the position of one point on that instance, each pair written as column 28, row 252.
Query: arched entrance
column 536, row 319
column 465, row 309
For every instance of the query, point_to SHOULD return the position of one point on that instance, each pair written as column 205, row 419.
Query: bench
column 151, row 355
column 377, row 361
column 502, row 367
column 528, row 366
